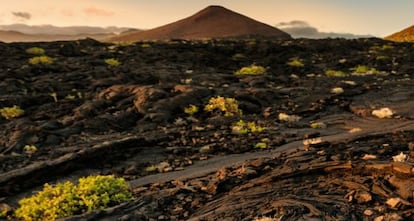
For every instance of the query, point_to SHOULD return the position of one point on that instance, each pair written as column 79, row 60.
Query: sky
column 374, row 17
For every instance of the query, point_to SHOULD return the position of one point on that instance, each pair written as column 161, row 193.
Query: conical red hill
column 404, row 35
column 211, row 22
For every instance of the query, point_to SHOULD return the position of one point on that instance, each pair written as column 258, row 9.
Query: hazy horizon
column 370, row 17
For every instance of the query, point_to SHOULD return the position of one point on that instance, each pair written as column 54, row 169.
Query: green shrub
column 295, row 63
column 382, row 58
column 333, row 73
column 191, row 109
column 43, row 59
column 242, row 127
column 251, row 70
column 318, row 125
column 67, row 199
column 112, row 62
column 260, row 145
column 30, row 149
column 363, row 70
column 35, row 51
column 228, row 106
column 11, row 112
column 4, row 211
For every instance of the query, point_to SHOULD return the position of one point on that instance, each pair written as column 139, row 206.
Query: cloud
column 97, row 12
column 302, row 29
column 294, row 23
column 22, row 15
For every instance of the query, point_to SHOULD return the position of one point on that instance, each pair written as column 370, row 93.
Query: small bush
column 228, row 106
column 30, row 149
column 333, row 73
column 251, row 70
column 67, row 199
column 191, row 109
column 242, row 127
column 11, row 112
column 318, row 125
column 260, row 145
column 43, row 59
column 35, row 51
column 5, row 211
column 362, row 70
column 295, row 63
column 112, row 62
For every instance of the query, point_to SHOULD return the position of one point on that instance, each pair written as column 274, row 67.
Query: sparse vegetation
column 35, row 51
column 333, row 73
column 191, row 109
column 159, row 167
column 261, row 145
column 43, row 59
column 11, row 112
column 70, row 97
column 241, row 127
column 382, row 58
column 251, row 70
column 362, row 70
column 30, row 149
column 227, row 106
column 5, row 211
column 318, row 125
column 384, row 47
column 67, row 199
column 295, row 63
column 113, row 62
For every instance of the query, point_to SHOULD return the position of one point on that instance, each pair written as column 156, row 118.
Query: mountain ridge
column 405, row 35
column 211, row 22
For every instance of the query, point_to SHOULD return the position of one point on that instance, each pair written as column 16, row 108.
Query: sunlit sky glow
column 376, row 17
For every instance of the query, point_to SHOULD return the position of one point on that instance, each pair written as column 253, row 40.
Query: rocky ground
column 330, row 158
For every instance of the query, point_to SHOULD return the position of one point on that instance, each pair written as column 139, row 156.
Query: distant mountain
column 27, row 33
column 211, row 22
column 406, row 35
column 301, row 29
column 9, row 36
column 54, row 30
column 14, row 36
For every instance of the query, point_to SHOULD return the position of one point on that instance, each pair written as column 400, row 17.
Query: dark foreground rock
column 333, row 160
